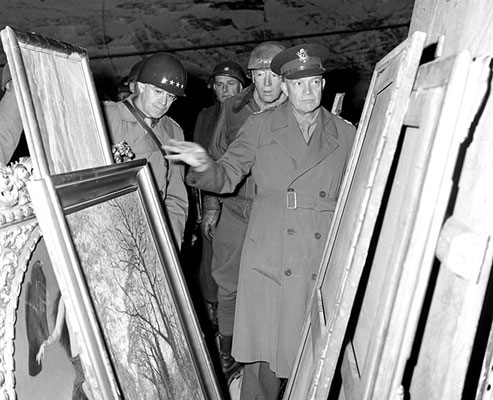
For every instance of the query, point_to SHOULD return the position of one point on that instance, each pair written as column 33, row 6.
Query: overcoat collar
column 286, row 132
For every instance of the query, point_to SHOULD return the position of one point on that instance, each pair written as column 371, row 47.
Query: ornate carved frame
column 19, row 235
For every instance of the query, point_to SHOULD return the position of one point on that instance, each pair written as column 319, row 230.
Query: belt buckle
column 291, row 199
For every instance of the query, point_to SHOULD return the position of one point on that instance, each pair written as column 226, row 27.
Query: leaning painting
column 132, row 300
column 125, row 296
column 47, row 364
column 29, row 306
column 58, row 103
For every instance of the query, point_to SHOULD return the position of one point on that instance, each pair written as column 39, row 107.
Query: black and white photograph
column 244, row 200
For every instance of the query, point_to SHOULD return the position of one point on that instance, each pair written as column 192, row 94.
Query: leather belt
column 293, row 200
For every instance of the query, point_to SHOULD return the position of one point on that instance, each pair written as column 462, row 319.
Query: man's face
column 267, row 84
column 304, row 94
column 154, row 101
column 226, row 86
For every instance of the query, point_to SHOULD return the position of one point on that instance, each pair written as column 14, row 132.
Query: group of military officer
column 269, row 161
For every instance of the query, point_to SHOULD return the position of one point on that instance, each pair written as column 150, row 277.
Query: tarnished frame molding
column 19, row 235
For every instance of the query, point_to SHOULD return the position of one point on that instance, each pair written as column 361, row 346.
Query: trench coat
column 122, row 125
column 297, row 190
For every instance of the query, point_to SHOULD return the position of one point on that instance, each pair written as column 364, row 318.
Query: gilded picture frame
column 125, row 296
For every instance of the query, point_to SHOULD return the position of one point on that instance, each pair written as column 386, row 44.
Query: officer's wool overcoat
column 297, row 189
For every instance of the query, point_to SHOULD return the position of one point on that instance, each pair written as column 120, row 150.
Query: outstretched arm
column 55, row 336
column 190, row 153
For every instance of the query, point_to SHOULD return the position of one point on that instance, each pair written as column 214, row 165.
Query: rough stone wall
column 118, row 33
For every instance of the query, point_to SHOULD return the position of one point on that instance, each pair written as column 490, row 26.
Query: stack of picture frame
column 94, row 262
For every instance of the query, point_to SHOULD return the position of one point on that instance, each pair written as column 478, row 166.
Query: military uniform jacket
column 122, row 125
column 205, row 124
column 298, row 186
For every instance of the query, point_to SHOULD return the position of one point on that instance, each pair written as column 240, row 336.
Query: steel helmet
column 164, row 71
column 229, row 68
column 263, row 54
column 134, row 72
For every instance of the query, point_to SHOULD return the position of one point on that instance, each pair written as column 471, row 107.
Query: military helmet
column 229, row 68
column 262, row 55
column 164, row 71
column 134, row 71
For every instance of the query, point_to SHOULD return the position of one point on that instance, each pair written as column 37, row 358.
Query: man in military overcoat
column 297, row 154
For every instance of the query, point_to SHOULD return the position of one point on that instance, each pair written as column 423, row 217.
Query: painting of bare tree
column 133, row 301
column 125, row 296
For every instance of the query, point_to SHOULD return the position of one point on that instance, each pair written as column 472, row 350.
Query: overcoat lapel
column 323, row 142
column 286, row 132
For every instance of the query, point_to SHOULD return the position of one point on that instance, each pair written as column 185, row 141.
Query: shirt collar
column 154, row 121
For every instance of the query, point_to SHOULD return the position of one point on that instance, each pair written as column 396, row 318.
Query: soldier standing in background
column 227, row 79
column 228, row 215
column 297, row 153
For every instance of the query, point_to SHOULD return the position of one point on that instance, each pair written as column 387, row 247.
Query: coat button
column 314, row 277
column 287, row 272
column 317, row 235
column 322, row 194
column 290, row 231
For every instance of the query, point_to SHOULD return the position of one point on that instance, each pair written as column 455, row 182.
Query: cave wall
column 118, row 33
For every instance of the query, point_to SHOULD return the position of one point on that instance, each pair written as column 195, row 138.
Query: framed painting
column 453, row 341
column 28, row 285
column 445, row 95
column 58, row 103
column 19, row 235
column 354, row 221
column 122, row 289
column 42, row 372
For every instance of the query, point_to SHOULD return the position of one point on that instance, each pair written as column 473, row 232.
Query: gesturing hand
column 188, row 152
